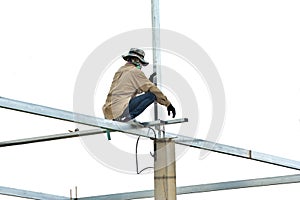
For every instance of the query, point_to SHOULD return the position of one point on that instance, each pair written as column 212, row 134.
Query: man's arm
column 145, row 85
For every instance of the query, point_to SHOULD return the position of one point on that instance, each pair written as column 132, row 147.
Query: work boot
column 134, row 122
column 123, row 118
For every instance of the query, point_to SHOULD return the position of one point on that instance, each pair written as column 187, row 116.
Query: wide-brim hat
column 137, row 53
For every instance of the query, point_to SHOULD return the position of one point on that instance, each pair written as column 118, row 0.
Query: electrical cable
column 136, row 153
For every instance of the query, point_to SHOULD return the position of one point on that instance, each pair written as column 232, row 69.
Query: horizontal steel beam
column 278, row 180
column 29, row 194
column 122, row 196
column 144, row 132
column 235, row 151
column 204, row 188
column 259, row 182
column 50, row 137
column 73, row 117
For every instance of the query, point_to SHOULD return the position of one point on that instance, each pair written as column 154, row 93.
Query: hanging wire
column 136, row 152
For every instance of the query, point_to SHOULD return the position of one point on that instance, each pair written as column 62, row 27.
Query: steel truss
column 205, row 187
column 103, row 125
column 277, row 180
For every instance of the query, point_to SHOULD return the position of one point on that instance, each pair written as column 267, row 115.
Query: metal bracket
column 160, row 125
column 164, row 122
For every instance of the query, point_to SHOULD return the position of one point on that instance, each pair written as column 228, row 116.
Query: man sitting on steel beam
column 122, row 103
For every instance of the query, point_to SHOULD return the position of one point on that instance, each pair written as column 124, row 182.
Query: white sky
column 255, row 46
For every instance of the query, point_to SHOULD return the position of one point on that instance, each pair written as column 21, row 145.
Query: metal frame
column 160, row 122
column 277, row 180
column 156, row 48
column 238, row 152
column 103, row 125
column 259, row 182
column 50, row 137
column 29, row 194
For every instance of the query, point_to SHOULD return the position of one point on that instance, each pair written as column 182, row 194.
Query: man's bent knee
column 151, row 96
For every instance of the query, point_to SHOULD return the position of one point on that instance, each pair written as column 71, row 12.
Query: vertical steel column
column 164, row 163
column 164, row 169
column 156, row 48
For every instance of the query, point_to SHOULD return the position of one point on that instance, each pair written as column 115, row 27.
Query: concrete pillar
column 164, row 169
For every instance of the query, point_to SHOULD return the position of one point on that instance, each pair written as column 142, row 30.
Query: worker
column 123, row 102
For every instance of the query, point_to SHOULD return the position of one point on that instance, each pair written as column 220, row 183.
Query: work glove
column 152, row 77
column 170, row 108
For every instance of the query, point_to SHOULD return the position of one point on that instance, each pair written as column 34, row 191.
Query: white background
column 255, row 46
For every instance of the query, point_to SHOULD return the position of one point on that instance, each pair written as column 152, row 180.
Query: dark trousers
column 138, row 104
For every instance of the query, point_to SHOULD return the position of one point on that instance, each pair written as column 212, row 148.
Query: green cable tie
column 108, row 134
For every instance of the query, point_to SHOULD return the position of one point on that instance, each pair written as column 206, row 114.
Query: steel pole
column 164, row 163
column 156, row 49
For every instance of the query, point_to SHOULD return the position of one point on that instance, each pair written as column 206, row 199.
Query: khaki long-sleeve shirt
column 129, row 81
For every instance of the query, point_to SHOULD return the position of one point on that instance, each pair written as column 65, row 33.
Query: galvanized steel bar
column 277, row 180
column 122, row 196
column 211, row 146
column 235, row 151
column 150, row 193
column 50, row 137
column 156, row 48
column 123, row 127
column 275, row 160
column 163, row 122
column 29, row 194
column 73, row 117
